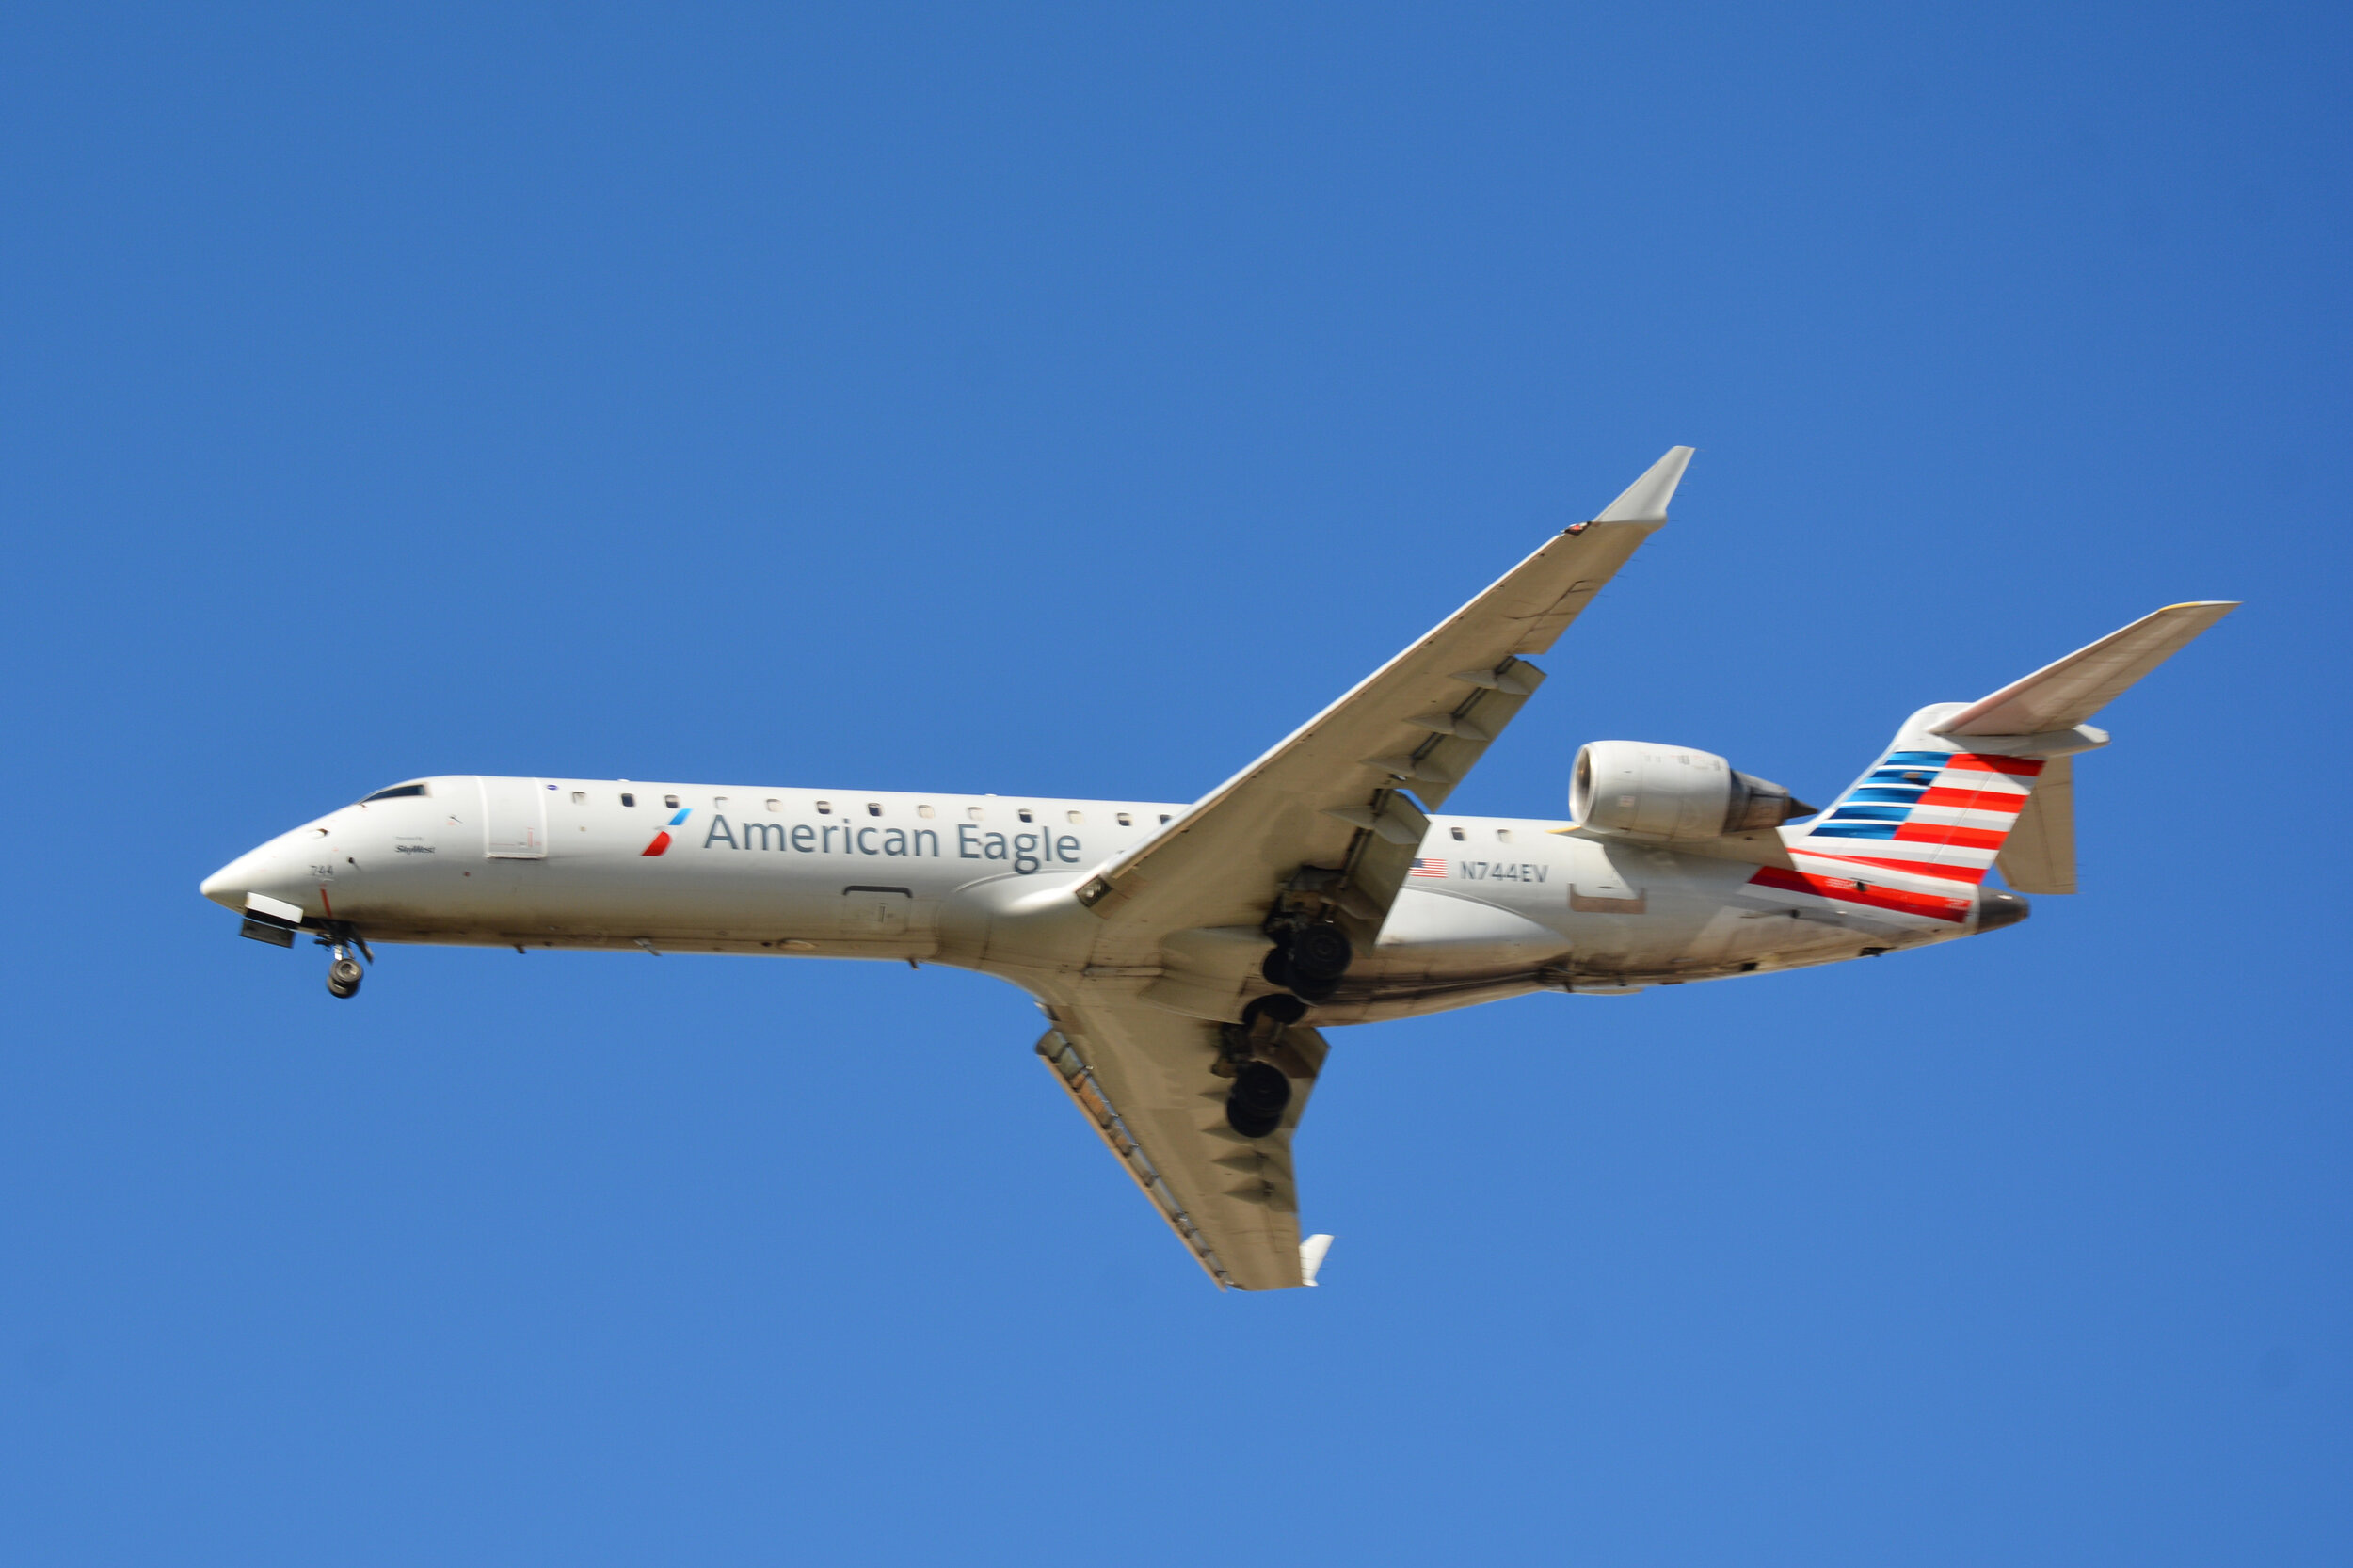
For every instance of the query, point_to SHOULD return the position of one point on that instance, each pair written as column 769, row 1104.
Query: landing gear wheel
column 1309, row 962
column 1282, row 1009
column 343, row 976
column 1276, row 965
column 1319, row 952
column 1256, row 1105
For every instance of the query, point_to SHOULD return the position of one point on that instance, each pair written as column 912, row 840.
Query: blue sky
column 1069, row 400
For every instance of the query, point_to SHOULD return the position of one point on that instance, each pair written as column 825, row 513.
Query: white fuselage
column 1497, row 906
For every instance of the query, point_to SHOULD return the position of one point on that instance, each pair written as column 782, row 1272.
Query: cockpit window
column 395, row 793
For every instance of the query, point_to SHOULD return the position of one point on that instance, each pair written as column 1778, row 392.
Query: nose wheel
column 344, row 973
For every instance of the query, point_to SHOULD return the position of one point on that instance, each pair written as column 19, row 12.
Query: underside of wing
column 1148, row 1084
column 1330, row 803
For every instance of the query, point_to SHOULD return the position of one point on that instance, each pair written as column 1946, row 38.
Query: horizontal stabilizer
column 2061, row 696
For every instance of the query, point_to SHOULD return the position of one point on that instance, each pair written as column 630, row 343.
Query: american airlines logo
column 661, row 840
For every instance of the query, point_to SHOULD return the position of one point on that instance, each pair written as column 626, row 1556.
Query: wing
column 1332, row 796
column 1143, row 1079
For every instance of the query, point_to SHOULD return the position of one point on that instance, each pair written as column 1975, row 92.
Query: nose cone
column 269, row 869
column 228, row 886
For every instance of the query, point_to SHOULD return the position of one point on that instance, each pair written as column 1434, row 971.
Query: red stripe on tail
column 1846, row 891
column 1917, row 868
column 2023, row 767
column 1944, row 833
column 1974, row 800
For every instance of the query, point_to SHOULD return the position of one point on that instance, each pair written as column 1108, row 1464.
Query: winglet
column 1645, row 500
column 1311, row 1252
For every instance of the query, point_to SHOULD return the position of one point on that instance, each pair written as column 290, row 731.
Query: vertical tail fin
column 1930, row 810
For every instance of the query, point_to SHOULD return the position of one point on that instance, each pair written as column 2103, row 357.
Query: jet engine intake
column 1663, row 791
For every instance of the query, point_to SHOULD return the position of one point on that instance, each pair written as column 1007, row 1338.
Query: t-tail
column 1971, row 787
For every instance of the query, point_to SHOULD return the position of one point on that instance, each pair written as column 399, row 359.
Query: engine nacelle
column 1661, row 792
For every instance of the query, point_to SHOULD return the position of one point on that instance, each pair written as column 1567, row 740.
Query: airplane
column 1188, row 957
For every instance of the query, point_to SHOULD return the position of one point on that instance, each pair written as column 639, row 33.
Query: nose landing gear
column 345, row 974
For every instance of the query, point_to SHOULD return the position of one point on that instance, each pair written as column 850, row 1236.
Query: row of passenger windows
column 873, row 809
column 825, row 807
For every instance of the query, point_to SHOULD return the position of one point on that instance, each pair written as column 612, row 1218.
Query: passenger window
column 1503, row 835
column 873, row 809
column 775, row 806
column 1163, row 818
column 973, row 811
column 718, row 803
column 1459, row 834
column 1025, row 816
column 1078, row 819
column 1125, row 821
column 670, row 801
column 579, row 797
column 628, row 799
column 923, row 811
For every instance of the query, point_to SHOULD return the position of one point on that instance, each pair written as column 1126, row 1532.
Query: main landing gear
column 344, row 973
column 1255, row 1105
column 1261, row 1091
column 1309, row 960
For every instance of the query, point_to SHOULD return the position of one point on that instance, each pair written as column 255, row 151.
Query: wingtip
column 1645, row 500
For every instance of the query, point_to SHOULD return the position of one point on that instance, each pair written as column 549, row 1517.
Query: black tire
column 1314, row 991
column 343, row 976
column 1319, row 952
column 1249, row 1123
column 1276, row 965
column 1282, row 1009
column 1255, row 1105
column 1260, row 1090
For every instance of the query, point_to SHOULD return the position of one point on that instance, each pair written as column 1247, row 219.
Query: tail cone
column 1998, row 907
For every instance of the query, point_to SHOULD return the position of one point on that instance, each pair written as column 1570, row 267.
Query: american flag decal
column 1428, row 867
